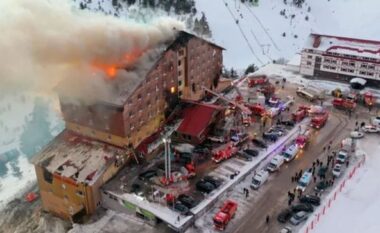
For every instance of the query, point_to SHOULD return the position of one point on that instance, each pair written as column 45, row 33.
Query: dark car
column 205, row 186
column 259, row 143
column 186, row 200
column 314, row 200
column 244, row 156
column 322, row 171
column 201, row 150
column 274, row 133
column 214, row 181
column 251, row 152
column 321, row 186
column 181, row 208
column 288, row 123
column 147, row 174
column 302, row 207
column 284, row 215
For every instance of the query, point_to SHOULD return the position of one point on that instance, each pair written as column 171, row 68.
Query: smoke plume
column 47, row 42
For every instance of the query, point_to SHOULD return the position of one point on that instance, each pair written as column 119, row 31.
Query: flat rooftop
column 81, row 159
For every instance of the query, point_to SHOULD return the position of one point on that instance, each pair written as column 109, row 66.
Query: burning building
column 93, row 147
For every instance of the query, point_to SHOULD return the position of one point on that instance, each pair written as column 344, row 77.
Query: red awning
column 197, row 118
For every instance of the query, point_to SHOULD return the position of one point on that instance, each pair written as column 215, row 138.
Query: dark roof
column 197, row 118
column 183, row 37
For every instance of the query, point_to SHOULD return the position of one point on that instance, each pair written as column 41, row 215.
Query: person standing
column 267, row 219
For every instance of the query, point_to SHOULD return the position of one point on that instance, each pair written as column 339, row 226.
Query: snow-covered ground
column 337, row 17
column 16, row 112
column 356, row 208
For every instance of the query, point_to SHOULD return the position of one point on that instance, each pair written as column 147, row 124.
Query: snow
column 326, row 17
column 15, row 111
column 358, row 198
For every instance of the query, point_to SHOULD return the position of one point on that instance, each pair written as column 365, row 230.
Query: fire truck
column 299, row 115
column 319, row 120
column 268, row 90
column 225, row 214
column 303, row 139
column 255, row 80
column 224, row 152
column 368, row 99
column 344, row 104
column 257, row 109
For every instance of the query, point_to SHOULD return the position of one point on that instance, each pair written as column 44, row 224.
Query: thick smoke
column 46, row 42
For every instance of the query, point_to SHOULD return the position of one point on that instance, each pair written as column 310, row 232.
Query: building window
column 345, row 63
column 371, row 67
column 193, row 87
column 309, row 56
column 179, row 82
column 351, row 71
column 179, row 62
column 362, row 72
column 179, row 73
column 344, row 70
column 363, row 66
column 308, row 63
column 180, row 93
column 352, row 63
column 370, row 74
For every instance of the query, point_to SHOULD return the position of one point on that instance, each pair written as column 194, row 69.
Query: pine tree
column 250, row 69
column 205, row 28
column 37, row 131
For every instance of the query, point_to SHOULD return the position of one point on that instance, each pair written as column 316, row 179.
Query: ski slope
column 263, row 26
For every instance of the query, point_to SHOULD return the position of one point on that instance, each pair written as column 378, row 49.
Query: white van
column 259, row 179
column 291, row 152
column 304, row 181
column 275, row 163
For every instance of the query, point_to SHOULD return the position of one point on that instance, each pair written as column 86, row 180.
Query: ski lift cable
column 262, row 26
column 242, row 33
column 261, row 45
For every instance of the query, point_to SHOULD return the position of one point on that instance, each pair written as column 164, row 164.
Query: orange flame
column 111, row 69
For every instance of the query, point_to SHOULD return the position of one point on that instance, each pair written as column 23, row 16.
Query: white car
column 337, row 170
column 376, row 121
column 342, row 156
column 286, row 230
column 356, row 134
column 370, row 129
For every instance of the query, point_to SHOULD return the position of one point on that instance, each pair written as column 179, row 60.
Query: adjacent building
column 342, row 58
column 98, row 138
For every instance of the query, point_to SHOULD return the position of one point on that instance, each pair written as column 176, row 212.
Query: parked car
column 286, row 230
column 302, row 207
column 288, row 123
column 274, row 133
column 321, row 186
column 311, row 199
column 205, row 186
column 147, row 175
column 371, row 129
column 342, row 156
column 252, row 152
column 259, row 143
column 284, row 215
column 244, row 156
column 201, row 150
column 376, row 121
column 299, row 217
column 186, row 200
column 337, row 170
column 181, row 208
column 322, row 171
column 214, row 181
column 356, row 134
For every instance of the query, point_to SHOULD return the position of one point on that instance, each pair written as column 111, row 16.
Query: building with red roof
column 197, row 121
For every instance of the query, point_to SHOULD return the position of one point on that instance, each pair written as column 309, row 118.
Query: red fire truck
column 255, row 80
column 369, row 99
column 345, row 104
column 299, row 115
column 225, row 214
column 303, row 139
column 224, row 152
column 267, row 90
column 319, row 120
column 257, row 109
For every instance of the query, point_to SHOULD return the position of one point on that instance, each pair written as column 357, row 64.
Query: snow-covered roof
column 361, row 81
column 72, row 156
column 344, row 45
